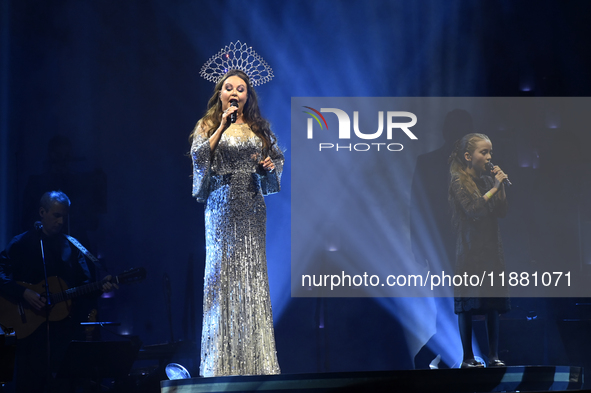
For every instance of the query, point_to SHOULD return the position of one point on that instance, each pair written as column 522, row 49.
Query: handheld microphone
column 233, row 102
column 38, row 225
column 489, row 166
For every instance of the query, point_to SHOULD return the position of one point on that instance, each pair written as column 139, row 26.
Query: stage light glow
column 176, row 371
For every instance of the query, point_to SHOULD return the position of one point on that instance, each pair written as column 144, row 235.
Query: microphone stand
column 47, row 304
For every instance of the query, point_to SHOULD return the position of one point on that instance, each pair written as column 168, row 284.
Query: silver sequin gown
column 237, row 336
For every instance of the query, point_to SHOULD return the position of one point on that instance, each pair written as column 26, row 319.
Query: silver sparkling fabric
column 237, row 336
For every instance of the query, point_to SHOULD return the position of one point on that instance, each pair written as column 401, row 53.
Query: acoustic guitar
column 25, row 320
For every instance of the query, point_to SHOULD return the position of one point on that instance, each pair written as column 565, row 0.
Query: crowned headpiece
column 237, row 56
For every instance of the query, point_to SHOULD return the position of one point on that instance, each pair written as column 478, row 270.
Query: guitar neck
column 131, row 275
column 76, row 292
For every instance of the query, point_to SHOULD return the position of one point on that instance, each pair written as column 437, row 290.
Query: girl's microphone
column 489, row 166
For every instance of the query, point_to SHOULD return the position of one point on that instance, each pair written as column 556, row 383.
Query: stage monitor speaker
column 98, row 359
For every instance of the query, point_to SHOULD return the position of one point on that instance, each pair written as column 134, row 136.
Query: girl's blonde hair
column 458, row 167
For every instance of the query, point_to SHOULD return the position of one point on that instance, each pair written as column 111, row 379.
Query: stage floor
column 505, row 379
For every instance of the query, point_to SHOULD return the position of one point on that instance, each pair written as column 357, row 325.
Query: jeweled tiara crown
column 237, row 56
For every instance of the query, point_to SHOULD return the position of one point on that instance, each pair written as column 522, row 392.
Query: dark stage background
column 115, row 86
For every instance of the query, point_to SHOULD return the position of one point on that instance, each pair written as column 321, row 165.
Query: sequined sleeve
column 473, row 206
column 501, row 206
column 271, row 181
column 201, row 155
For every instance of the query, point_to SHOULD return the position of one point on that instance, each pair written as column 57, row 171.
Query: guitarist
column 22, row 261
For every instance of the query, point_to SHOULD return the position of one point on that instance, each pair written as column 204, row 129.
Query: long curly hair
column 251, row 113
column 458, row 167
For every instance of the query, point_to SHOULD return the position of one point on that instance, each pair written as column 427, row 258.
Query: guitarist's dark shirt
column 21, row 261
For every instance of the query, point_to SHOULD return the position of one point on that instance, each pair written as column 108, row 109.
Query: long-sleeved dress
column 479, row 249
column 237, row 336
